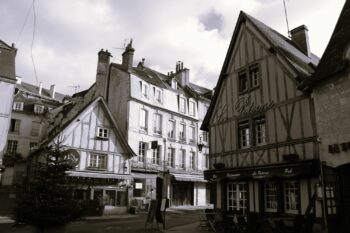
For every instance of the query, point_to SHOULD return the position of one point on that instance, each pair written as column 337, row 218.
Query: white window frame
column 156, row 155
column 244, row 135
column 98, row 161
column 291, row 192
column 17, row 106
column 39, row 109
column 143, row 119
column 142, row 155
column 182, row 105
column 172, row 129
column 237, row 196
column 157, row 123
column 182, row 158
column 192, row 134
column 144, row 90
column 102, row 132
column 12, row 146
column 192, row 108
column 158, row 95
column 271, row 196
column 171, row 157
column 182, row 132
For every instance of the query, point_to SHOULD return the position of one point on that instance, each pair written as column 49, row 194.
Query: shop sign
column 336, row 148
column 260, row 174
column 233, row 175
column 245, row 106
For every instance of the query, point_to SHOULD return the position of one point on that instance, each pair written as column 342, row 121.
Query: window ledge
column 101, row 138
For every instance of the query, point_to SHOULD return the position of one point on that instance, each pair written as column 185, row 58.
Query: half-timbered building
column 102, row 171
column 263, row 142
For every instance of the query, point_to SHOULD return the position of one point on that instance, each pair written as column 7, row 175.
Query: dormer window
column 158, row 95
column 182, row 105
column 38, row 109
column 174, row 84
column 18, row 106
column 144, row 90
column 102, row 133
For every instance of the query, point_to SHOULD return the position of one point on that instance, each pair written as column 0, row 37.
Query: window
column 192, row 134
column 171, row 127
column 270, row 196
column 291, row 196
column 243, row 82
column 33, row 146
column 237, row 196
column 98, row 161
column 38, row 109
column 102, row 132
column 12, row 146
column 156, row 155
column 171, row 157
column 182, row 158
column 205, row 136
column 142, row 151
column 158, row 96
column 157, row 126
column 144, row 90
column 243, row 132
column 35, row 129
column 139, row 187
column 15, row 125
column 18, row 106
column 192, row 164
column 192, row 108
column 143, row 119
column 182, row 130
column 206, row 160
column 254, row 76
column 182, row 105
column 246, row 83
column 259, row 131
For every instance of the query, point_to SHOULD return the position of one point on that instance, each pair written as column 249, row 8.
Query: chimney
column 52, row 91
column 182, row 74
column 40, row 88
column 101, row 74
column 19, row 80
column 128, row 56
column 300, row 37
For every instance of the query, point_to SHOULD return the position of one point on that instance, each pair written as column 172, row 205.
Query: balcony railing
column 163, row 165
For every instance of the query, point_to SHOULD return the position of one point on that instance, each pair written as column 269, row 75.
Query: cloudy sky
column 69, row 34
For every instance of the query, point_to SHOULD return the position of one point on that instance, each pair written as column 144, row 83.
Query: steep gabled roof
column 6, row 46
column 333, row 60
column 34, row 90
column 301, row 64
column 71, row 111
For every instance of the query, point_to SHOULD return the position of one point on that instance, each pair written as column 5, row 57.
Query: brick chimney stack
column 128, row 56
column 102, row 72
column 182, row 74
column 300, row 37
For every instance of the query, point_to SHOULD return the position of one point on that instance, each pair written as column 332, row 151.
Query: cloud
column 69, row 34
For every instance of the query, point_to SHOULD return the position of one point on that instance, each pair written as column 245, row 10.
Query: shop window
column 291, row 196
column 98, row 161
column 237, row 196
column 142, row 151
column 270, row 196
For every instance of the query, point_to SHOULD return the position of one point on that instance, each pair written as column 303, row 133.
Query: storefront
column 284, row 189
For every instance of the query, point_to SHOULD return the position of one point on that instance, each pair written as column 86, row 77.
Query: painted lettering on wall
column 245, row 106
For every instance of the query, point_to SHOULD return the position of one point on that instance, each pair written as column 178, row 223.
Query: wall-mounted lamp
column 200, row 145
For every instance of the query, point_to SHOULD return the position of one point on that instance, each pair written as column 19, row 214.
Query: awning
column 307, row 168
column 98, row 175
column 188, row 177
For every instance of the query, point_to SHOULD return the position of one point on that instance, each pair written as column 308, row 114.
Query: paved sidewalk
column 189, row 228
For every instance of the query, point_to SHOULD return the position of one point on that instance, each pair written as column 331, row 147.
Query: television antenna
column 285, row 13
column 76, row 87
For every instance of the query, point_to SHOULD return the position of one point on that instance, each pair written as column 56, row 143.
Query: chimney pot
column 52, row 91
column 300, row 37
column 40, row 88
column 128, row 56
